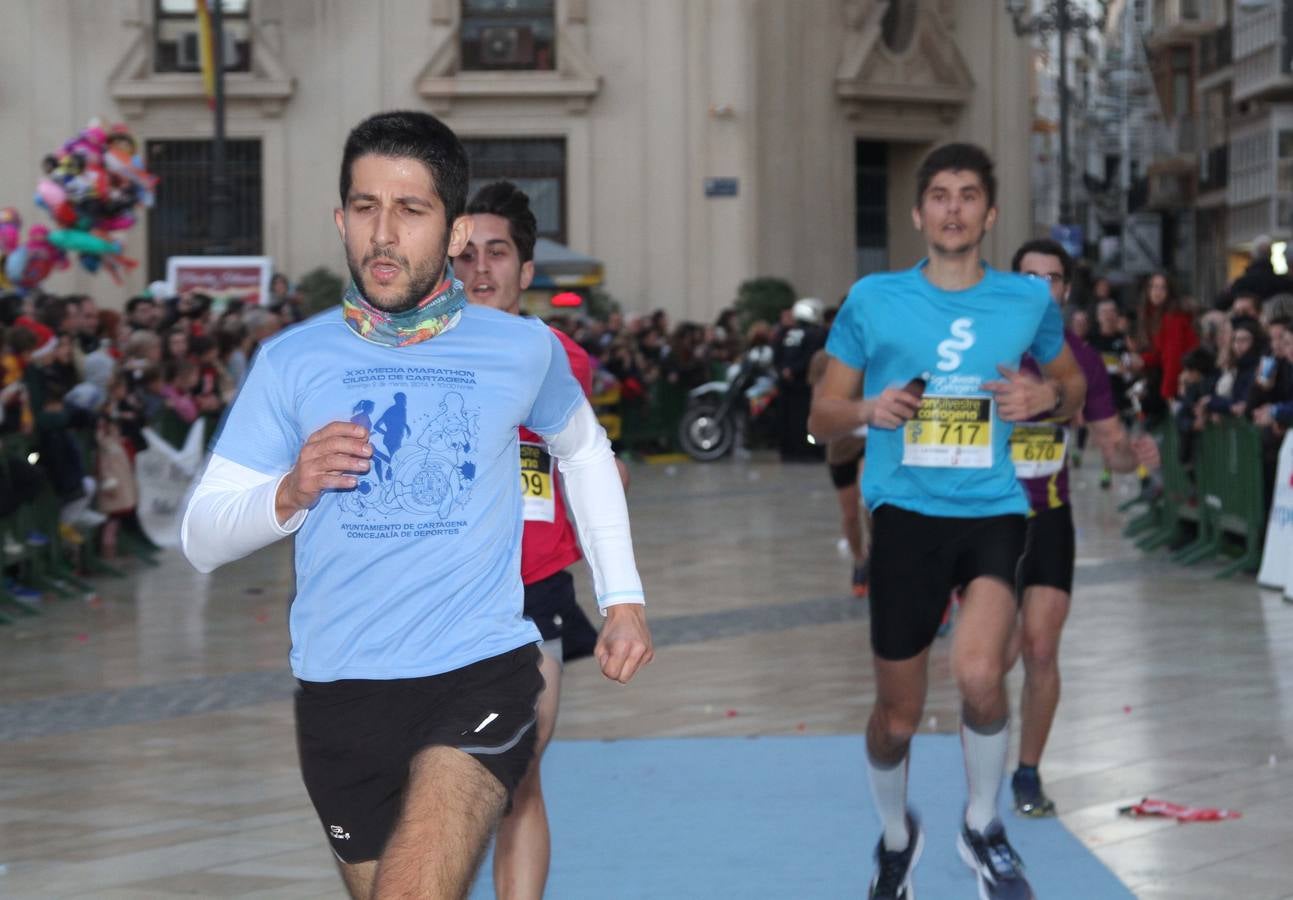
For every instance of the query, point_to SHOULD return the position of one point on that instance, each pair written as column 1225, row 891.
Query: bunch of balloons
column 92, row 186
column 26, row 264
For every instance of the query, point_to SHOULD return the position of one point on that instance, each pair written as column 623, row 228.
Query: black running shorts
column 356, row 739
column 550, row 603
column 1049, row 550
column 845, row 474
column 916, row 562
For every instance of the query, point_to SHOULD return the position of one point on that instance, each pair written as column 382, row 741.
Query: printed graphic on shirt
column 949, row 351
column 536, row 483
column 424, row 444
column 952, row 428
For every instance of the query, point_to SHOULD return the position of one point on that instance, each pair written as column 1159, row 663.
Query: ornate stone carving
column 443, row 12
column 918, row 90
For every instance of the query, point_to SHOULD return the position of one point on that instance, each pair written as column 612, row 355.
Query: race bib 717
column 950, row 432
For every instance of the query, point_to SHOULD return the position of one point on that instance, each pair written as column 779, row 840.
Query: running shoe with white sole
column 999, row 869
column 893, row 871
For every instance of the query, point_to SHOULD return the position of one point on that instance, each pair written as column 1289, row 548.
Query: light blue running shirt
column 418, row 570
column 953, row 459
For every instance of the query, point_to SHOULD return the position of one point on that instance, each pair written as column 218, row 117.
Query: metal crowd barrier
column 1215, row 511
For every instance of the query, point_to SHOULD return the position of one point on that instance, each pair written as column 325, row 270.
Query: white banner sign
column 1276, row 571
column 164, row 475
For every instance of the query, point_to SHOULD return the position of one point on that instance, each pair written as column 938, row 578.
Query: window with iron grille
column 179, row 222
column 535, row 165
column 517, row 35
column 176, row 39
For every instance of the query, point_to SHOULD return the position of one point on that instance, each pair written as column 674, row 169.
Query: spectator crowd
column 1186, row 365
column 79, row 384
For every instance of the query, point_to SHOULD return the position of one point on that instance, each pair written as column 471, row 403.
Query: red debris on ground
column 1164, row 809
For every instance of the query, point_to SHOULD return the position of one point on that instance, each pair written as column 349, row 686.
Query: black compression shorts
column 845, row 474
column 550, row 602
column 1049, row 551
column 916, row 562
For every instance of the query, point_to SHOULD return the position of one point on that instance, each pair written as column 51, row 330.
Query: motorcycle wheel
column 703, row 436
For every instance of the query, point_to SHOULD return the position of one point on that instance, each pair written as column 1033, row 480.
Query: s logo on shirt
column 949, row 351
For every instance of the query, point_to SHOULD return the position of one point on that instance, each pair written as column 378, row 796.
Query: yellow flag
column 206, row 50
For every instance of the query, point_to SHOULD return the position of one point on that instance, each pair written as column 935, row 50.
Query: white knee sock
column 889, row 787
column 985, row 766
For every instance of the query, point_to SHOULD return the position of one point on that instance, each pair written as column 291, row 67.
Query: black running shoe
column 892, row 879
column 1030, row 799
column 995, row 862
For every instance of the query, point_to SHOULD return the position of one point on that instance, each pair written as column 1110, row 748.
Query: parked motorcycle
column 720, row 413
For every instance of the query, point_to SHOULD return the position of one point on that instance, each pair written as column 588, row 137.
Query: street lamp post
column 1059, row 17
column 219, row 237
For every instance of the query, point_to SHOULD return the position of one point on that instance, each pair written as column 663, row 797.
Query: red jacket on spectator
column 1174, row 338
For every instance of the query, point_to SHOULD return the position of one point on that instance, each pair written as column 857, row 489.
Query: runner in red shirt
column 495, row 267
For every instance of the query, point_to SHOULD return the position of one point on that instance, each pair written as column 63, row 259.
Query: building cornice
column 575, row 83
column 134, row 85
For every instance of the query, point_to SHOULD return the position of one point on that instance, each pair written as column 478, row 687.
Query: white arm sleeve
column 596, row 496
column 231, row 514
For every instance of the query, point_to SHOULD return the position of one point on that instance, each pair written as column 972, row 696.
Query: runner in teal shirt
column 899, row 326
column 936, row 350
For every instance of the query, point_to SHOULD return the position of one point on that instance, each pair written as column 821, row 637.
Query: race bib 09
column 950, row 432
column 536, row 483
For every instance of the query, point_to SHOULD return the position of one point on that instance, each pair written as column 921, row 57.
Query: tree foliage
column 763, row 299
column 320, row 289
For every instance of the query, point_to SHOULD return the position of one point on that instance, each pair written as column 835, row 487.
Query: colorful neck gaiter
column 435, row 314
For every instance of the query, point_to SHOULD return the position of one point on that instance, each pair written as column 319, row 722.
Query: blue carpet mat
column 772, row 817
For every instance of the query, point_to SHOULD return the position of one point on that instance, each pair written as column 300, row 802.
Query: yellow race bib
column 950, row 432
column 1038, row 449
column 536, row 483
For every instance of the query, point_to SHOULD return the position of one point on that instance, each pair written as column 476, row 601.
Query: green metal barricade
column 1227, row 504
column 1208, row 465
column 1176, row 506
column 653, row 419
column 1239, row 490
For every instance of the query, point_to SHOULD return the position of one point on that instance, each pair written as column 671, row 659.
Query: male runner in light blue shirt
column 418, row 673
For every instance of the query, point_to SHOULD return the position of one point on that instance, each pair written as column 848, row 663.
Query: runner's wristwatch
column 1059, row 394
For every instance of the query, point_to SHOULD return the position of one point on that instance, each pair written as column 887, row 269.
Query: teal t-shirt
column 417, row 571
column 953, row 458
